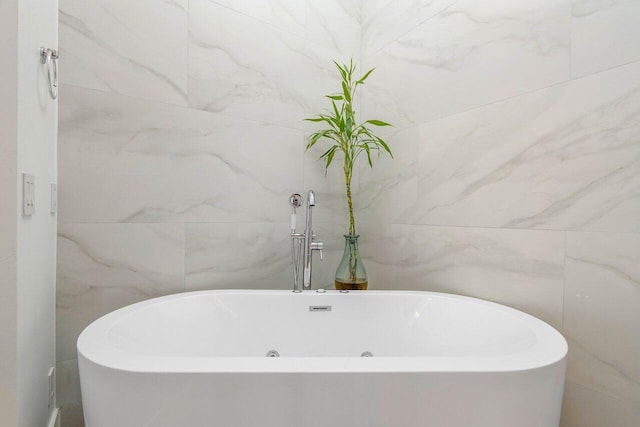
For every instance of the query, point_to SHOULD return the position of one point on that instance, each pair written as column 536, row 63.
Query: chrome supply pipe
column 310, row 244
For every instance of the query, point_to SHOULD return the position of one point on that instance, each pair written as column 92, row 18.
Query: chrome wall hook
column 49, row 58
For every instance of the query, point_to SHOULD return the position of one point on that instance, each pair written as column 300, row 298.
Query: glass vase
column 351, row 274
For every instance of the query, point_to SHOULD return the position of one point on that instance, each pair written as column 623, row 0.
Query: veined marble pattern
column 252, row 256
column 602, row 312
column 134, row 48
column 385, row 21
column 566, row 157
column 519, row 268
column 390, row 188
column 604, row 34
column 237, row 256
column 245, row 68
column 288, row 15
column 103, row 267
column 470, row 54
column 167, row 163
column 584, row 407
column 335, row 24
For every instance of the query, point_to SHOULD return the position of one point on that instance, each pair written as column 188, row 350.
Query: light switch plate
column 28, row 194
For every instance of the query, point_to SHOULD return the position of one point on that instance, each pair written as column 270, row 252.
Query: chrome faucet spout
column 310, row 244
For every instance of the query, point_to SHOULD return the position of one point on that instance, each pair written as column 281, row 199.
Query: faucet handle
column 318, row 246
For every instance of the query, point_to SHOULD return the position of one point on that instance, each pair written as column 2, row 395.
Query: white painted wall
column 28, row 135
column 37, row 147
column 8, row 203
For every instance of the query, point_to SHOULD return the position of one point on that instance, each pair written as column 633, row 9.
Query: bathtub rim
column 92, row 346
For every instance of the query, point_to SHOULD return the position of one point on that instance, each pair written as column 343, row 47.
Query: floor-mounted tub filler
column 281, row 359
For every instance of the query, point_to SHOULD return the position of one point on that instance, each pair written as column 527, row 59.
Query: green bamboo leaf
column 329, row 159
column 349, row 126
column 315, row 137
column 311, row 143
column 326, row 153
column 368, row 151
column 385, row 146
column 335, row 109
column 343, row 72
column 345, row 91
column 363, row 78
column 315, row 119
column 377, row 122
column 335, row 97
column 329, row 121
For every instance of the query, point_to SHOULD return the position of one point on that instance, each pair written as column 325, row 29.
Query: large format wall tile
column 103, row 267
column 390, row 188
column 385, row 21
column 245, row 68
column 237, row 256
column 335, row 24
column 253, row 256
column 604, row 34
column 519, row 268
column 566, row 157
column 134, row 48
column 471, row 54
column 584, row 407
column 602, row 312
column 288, row 15
column 128, row 160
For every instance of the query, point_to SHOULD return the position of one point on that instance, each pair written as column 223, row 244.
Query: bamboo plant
column 347, row 136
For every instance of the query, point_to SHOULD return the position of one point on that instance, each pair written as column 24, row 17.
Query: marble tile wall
column 245, row 67
column 470, row 54
column 181, row 139
column 603, row 35
column 516, row 177
column 131, row 48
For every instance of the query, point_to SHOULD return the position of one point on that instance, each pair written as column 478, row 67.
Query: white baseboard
column 54, row 421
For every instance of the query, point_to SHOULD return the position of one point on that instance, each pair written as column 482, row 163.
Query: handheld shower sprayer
column 296, row 201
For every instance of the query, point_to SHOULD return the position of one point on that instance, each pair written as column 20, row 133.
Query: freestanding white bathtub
column 199, row 359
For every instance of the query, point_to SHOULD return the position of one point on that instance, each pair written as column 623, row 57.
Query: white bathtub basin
column 198, row 359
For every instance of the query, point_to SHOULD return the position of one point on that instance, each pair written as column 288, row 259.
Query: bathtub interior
column 250, row 324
